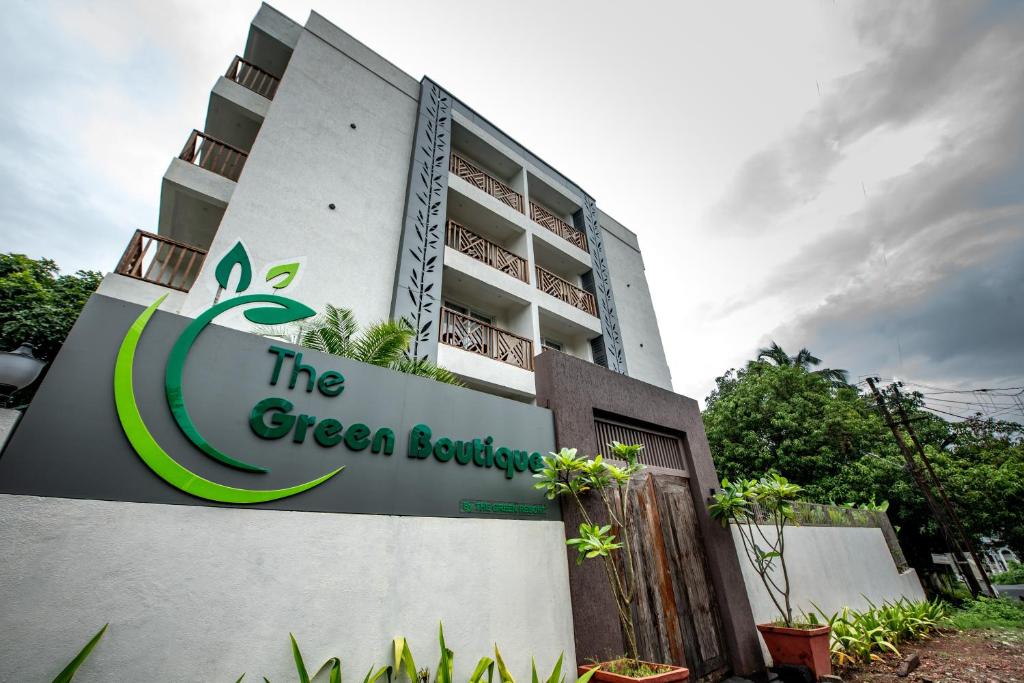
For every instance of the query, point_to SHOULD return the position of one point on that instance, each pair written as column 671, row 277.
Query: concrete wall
column 306, row 157
column 204, row 594
column 641, row 338
column 832, row 567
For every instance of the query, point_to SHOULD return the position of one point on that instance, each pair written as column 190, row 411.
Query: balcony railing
column 551, row 284
column 213, row 155
column 252, row 77
column 474, row 336
column 540, row 215
column 459, row 238
column 169, row 263
column 492, row 186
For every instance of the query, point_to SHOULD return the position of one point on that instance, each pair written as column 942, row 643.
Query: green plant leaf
column 404, row 660
column 300, row 666
column 69, row 671
column 335, row 666
column 503, row 674
column 236, row 256
column 556, row 673
column 587, row 676
column 485, row 664
column 240, row 678
column 372, row 677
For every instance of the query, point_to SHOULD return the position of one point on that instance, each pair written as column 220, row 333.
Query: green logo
column 280, row 310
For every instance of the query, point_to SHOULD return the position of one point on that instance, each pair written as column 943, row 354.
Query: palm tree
column 383, row 344
column 804, row 359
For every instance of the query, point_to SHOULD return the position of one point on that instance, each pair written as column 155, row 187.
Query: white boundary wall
column 831, row 567
column 196, row 593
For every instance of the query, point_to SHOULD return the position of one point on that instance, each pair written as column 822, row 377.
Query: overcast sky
column 837, row 175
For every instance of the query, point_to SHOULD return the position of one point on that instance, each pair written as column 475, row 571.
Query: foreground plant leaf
column 69, row 671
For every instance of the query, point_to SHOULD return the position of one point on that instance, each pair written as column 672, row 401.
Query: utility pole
column 958, row 526
column 937, row 510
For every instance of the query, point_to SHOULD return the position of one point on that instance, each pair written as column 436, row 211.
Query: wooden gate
column 675, row 612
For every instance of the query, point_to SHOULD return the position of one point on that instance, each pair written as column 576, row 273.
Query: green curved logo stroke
column 151, row 453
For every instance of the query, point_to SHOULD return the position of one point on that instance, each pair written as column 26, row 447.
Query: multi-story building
column 398, row 200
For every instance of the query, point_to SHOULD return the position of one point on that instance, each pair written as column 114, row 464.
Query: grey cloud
column 934, row 58
column 927, row 280
column 966, row 330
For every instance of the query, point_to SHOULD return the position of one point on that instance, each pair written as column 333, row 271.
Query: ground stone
column 909, row 663
column 829, row 678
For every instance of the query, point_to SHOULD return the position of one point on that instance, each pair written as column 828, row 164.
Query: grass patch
column 989, row 613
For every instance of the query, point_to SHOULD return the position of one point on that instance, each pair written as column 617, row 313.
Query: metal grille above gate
column 660, row 449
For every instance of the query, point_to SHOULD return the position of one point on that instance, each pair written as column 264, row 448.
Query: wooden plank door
column 675, row 612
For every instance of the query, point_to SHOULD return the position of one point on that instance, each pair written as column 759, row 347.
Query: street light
column 19, row 368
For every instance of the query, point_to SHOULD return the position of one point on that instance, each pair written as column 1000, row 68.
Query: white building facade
column 398, row 201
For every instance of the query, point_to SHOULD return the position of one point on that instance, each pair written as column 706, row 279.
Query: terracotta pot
column 800, row 646
column 675, row 673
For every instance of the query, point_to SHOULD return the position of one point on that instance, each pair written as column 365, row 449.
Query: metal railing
column 541, row 216
column 459, row 238
column 169, row 264
column 247, row 74
column 486, row 182
column 463, row 332
column 816, row 514
column 549, row 283
column 213, row 155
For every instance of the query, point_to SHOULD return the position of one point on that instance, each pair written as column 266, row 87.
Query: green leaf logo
column 236, row 256
column 289, row 270
column 151, row 453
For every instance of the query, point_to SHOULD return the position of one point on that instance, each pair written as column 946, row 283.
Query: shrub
column 989, row 613
column 859, row 636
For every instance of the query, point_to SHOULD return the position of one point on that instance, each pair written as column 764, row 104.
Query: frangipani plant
column 751, row 505
column 567, row 474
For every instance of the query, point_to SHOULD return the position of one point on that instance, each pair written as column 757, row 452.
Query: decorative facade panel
column 421, row 257
column 586, row 219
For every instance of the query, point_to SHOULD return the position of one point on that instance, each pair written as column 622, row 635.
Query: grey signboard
column 474, row 462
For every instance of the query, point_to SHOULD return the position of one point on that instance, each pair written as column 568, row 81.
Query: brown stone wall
column 574, row 389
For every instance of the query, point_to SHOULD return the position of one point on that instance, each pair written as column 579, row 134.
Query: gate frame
column 574, row 389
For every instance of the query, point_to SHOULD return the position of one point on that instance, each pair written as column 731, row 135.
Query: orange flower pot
column 674, row 673
column 799, row 646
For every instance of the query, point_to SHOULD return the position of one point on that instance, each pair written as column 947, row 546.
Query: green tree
column 803, row 359
column 39, row 306
column 785, row 418
column 830, row 439
column 384, row 344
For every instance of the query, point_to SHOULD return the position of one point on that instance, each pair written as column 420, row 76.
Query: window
column 551, row 344
column 469, row 312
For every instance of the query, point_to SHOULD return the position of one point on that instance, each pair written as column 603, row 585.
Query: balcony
column 484, row 181
column 563, row 290
column 463, row 332
column 169, row 263
column 249, row 75
column 213, row 155
column 459, row 238
column 541, row 216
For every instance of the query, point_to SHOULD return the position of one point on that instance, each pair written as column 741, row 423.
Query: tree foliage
column 828, row 437
column 38, row 305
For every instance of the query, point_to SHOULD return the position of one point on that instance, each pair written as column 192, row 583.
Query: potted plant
column 760, row 510
column 568, row 475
